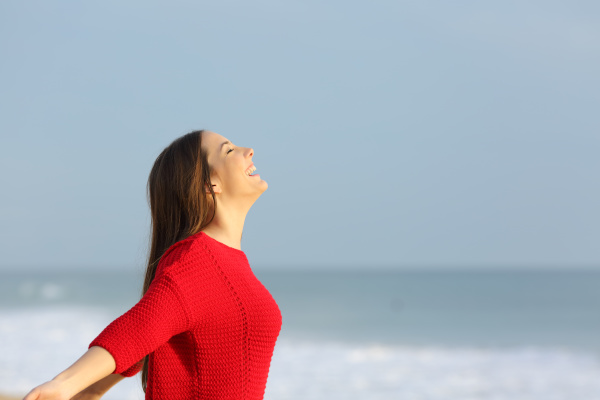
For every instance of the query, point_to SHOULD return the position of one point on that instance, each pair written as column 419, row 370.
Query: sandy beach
column 3, row 397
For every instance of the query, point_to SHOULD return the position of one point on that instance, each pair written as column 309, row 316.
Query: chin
column 264, row 184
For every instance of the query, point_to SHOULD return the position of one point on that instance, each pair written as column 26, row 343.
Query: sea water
column 410, row 334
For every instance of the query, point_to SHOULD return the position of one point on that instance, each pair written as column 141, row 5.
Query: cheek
column 235, row 173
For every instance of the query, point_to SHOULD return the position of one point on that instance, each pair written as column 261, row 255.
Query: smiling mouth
column 251, row 170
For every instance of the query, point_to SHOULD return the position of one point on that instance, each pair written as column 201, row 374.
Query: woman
column 205, row 327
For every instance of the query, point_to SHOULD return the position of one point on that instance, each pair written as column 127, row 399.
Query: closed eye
column 228, row 151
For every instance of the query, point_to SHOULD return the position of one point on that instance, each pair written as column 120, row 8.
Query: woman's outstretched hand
column 94, row 365
column 50, row 390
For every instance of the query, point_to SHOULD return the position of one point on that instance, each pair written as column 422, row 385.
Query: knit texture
column 207, row 322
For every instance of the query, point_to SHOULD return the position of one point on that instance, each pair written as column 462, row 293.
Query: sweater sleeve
column 134, row 369
column 159, row 315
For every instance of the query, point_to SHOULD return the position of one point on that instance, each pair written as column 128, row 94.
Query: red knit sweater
column 208, row 324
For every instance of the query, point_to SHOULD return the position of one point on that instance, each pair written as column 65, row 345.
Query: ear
column 216, row 189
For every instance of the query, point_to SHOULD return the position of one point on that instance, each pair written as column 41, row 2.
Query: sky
column 392, row 134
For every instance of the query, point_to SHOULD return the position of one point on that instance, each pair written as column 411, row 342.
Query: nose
column 251, row 151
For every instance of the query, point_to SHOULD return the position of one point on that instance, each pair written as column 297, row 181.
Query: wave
column 39, row 343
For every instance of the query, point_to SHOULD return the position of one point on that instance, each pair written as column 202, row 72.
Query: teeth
column 251, row 170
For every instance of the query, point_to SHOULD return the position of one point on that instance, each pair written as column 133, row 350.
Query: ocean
column 370, row 334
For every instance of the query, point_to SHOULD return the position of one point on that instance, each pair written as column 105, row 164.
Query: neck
column 228, row 225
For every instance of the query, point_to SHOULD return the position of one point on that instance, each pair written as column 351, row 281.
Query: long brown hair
column 178, row 204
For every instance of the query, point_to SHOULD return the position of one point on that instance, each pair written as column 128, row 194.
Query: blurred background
column 431, row 225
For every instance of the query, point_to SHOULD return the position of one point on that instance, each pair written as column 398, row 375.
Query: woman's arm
column 98, row 389
column 94, row 365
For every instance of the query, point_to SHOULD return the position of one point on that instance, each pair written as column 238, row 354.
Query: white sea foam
column 39, row 343
column 337, row 371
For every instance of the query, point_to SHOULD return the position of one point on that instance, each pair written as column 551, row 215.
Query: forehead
column 211, row 141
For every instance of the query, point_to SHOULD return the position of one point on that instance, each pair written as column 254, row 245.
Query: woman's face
column 230, row 163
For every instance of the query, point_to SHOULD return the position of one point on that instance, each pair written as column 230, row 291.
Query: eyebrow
column 223, row 144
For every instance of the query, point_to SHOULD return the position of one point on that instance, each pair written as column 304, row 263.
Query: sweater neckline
column 223, row 244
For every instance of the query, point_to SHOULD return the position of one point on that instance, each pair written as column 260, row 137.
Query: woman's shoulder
column 190, row 249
